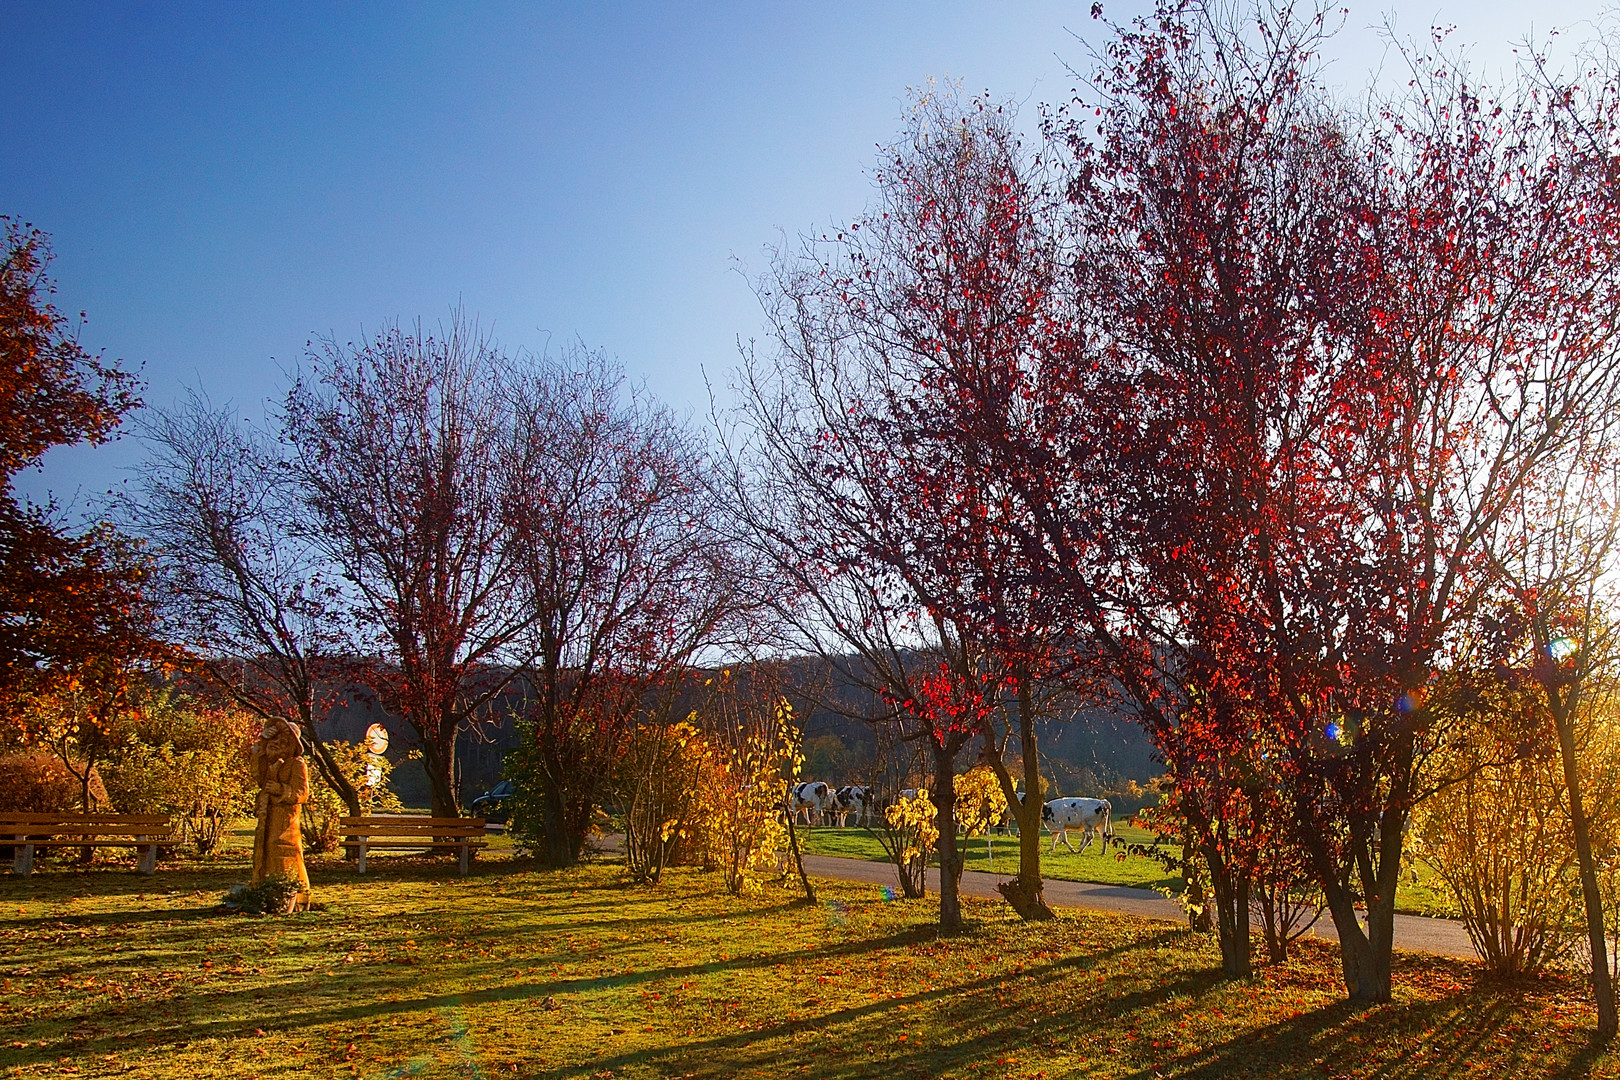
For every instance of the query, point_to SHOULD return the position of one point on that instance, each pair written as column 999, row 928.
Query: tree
column 794, row 509
column 244, row 585
column 65, row 599
column 619, row 572
column 1491, row 335
column 397, row 450
column 1325, row 370
column 896, row 532
column 1556, row 643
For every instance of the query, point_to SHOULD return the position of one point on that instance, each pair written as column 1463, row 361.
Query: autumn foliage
column 1230, row 396
column 69, row 601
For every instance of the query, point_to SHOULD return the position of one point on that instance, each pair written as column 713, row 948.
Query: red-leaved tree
column 620, row 572
column 397, row 449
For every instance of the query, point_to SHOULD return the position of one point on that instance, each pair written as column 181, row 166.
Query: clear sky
column 223, row 182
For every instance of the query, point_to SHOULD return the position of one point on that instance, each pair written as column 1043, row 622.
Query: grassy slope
column 412, row 971
column 1423, row 896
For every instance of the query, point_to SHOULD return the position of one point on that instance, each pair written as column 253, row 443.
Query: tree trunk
column 1231, row 913
column 436, row 762
column 561, row 848
column 950, row 858
column 1025, row 892
column 1365, row 966
column 1597, row 936
column 327, row 766
column 1365, row 953
column 798, row 861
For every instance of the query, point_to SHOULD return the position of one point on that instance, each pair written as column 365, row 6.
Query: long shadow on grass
column 91, row 919
column 58, row 886
column 724, row 1055
column 329, row 1006
column 224, row 1003
column 661, row 920
column 1444, row 1037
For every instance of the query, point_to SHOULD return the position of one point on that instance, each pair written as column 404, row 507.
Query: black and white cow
column 813, row 800
column 1088, row 815
column 856, row 800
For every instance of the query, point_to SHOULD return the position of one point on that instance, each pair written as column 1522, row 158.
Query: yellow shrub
column 1501, row 838
column 980, row 802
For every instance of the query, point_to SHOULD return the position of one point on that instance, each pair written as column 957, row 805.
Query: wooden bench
column 417, row 833
column 25, row 832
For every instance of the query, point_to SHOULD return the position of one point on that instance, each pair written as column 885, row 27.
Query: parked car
column 492, row 804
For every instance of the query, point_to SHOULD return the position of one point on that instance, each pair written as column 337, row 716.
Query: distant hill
column 1086, row 750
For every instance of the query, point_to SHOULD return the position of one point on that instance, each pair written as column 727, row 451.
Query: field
column 412, row 971
column 1421, row 894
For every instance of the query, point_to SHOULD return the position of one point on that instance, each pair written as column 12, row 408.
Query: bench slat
column 423, row 833
column 89, row 843
column 406, row 820
column 72, row 819
column 60, row 831
column 416, row 844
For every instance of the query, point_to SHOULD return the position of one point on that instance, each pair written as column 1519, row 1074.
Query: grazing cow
column 1088, row 815
column 854, row 799
column 813, row 799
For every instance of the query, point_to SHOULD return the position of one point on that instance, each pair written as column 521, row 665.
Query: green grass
column 414, row 971
column 1422, row 895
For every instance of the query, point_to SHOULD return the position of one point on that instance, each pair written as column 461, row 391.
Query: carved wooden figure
column 283, row 777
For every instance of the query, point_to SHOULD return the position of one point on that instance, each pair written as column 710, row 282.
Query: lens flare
column 1332, row 732
column 1561, row 649
column 1407, row 702
column 837, row 912
column 887, row 892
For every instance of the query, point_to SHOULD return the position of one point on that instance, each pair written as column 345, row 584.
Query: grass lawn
column 1424, row 895
column 412, row 971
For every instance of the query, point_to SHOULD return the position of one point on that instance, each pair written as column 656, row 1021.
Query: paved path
column 1413, row 932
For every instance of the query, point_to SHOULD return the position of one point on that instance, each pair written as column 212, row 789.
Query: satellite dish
column 376, row 738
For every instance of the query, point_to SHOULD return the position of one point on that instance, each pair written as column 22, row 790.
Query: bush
column 1501, row 842
column 322, row 819
column 756, row 748
column 272, row 896
column 185, row 758
column 1500, row 837
column 36, row 782
column 910, row 837
column 663, row 777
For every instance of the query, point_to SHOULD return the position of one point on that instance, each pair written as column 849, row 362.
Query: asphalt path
column 1415, row 933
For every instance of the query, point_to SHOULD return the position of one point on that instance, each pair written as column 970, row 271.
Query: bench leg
column 22, row 861
column 360, row 858
column 149, row 859
column 466, row 859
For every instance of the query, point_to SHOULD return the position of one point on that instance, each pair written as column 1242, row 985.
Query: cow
column 1088, row 815
column 856, row 799
column 813, row 799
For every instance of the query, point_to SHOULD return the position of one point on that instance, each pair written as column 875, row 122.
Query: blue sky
column 222, row 183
